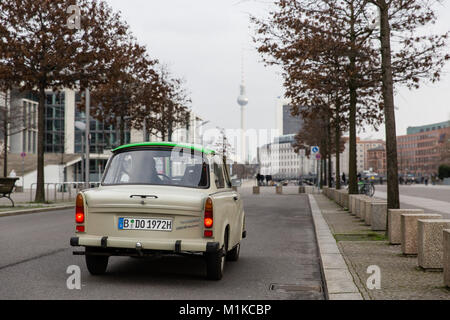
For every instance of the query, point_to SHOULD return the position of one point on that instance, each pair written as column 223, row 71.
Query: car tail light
column 80, row 228
column 79, row 209
column 208, row 233
column 208, row 218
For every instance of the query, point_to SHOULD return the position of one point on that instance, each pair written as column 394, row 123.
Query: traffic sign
column 23, row 154
column 318, row 156
column 315, row 149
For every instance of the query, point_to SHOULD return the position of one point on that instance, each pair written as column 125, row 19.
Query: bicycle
column 366, row 188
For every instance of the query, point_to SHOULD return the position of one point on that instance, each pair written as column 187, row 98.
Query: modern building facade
column 428, row 127
column 420, row 153
column 62, row 140
column 23, row 122
column 286, row 123
column 280, row 160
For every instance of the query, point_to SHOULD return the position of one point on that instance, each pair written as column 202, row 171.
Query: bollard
column 279, row 190
column 430, row 241
column 378, row 215
column 394, row 223
column 446, row 257
column 409, row 230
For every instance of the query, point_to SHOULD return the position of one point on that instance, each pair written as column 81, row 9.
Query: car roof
column 167, row 144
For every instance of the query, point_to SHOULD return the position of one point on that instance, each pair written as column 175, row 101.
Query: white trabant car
column 161, row 198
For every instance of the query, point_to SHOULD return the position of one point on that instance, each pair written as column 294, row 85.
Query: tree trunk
column 40, row 189
column 5, row 136
column 329, row 143
column 170, row 130
column 389, row 112
column 352, row 174
column 122, row 130
column 352, row 179
column 338, row 151
column 324, row 170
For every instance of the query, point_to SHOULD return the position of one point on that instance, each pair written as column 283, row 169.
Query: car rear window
column 158, row 166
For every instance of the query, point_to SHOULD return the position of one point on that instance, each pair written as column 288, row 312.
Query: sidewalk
column 361, row 247
column 24, row 206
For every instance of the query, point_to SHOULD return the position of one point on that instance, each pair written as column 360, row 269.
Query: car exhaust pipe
column 139, row 249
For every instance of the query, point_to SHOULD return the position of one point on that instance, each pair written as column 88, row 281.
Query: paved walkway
column 401, row 278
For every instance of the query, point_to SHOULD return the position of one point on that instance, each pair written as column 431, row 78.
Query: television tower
column 242, row 102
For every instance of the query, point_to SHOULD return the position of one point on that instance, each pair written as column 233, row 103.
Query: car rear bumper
column 175, row 246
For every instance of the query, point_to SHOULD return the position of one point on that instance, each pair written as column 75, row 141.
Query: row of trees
column 41, row 50
column 340, row 69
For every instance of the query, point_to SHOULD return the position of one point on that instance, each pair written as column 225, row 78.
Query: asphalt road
column 441, row 193
column 280, row 249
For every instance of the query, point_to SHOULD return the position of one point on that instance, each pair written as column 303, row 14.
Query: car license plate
column 145, row 224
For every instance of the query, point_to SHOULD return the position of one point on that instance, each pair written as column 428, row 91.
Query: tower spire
column 242, row 102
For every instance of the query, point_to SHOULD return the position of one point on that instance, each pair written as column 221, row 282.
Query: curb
column 338, row 280
column 36, row 210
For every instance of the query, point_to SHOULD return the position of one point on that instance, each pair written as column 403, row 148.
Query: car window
column 218, row 173
column 227, row 176
column 184, row 168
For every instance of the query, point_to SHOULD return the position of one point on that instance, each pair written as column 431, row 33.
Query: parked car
column 161, row 198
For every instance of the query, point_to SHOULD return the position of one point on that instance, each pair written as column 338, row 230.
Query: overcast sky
column 202, row 41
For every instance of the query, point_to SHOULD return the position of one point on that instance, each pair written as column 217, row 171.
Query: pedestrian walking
column 343, row 178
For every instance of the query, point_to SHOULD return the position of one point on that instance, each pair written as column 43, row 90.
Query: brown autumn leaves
column 38, row 52
column 335, row 66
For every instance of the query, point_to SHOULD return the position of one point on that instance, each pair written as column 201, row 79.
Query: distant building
column 362, row 148
column 286, row 123
column 280, row 160
column 376, row 160
column 63, row 142
column 428, row 127
column 23, row 137
column 420, row 153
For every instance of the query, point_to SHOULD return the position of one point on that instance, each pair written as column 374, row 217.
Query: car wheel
column 233, row 254
column 96, row 264
column 215, row 262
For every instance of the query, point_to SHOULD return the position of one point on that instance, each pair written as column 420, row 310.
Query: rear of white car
column 161, row 198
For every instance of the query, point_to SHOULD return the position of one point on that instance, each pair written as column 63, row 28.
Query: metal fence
column 62, row 191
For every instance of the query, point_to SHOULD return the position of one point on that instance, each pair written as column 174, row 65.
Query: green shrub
column 444, row 171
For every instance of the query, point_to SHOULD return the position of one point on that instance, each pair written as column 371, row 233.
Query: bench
column 7, row 187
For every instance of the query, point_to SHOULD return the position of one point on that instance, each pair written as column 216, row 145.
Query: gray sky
column 202, row 41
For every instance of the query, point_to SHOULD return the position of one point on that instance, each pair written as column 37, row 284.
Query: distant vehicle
column 161, row 198
column 236, row 182
column 410, row 178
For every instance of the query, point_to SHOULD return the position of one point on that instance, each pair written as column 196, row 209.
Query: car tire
column 233, row 254
column 215, row 263
column 96, row 265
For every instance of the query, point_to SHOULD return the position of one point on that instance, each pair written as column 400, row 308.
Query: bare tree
column 416, row 57
column 44, row 53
